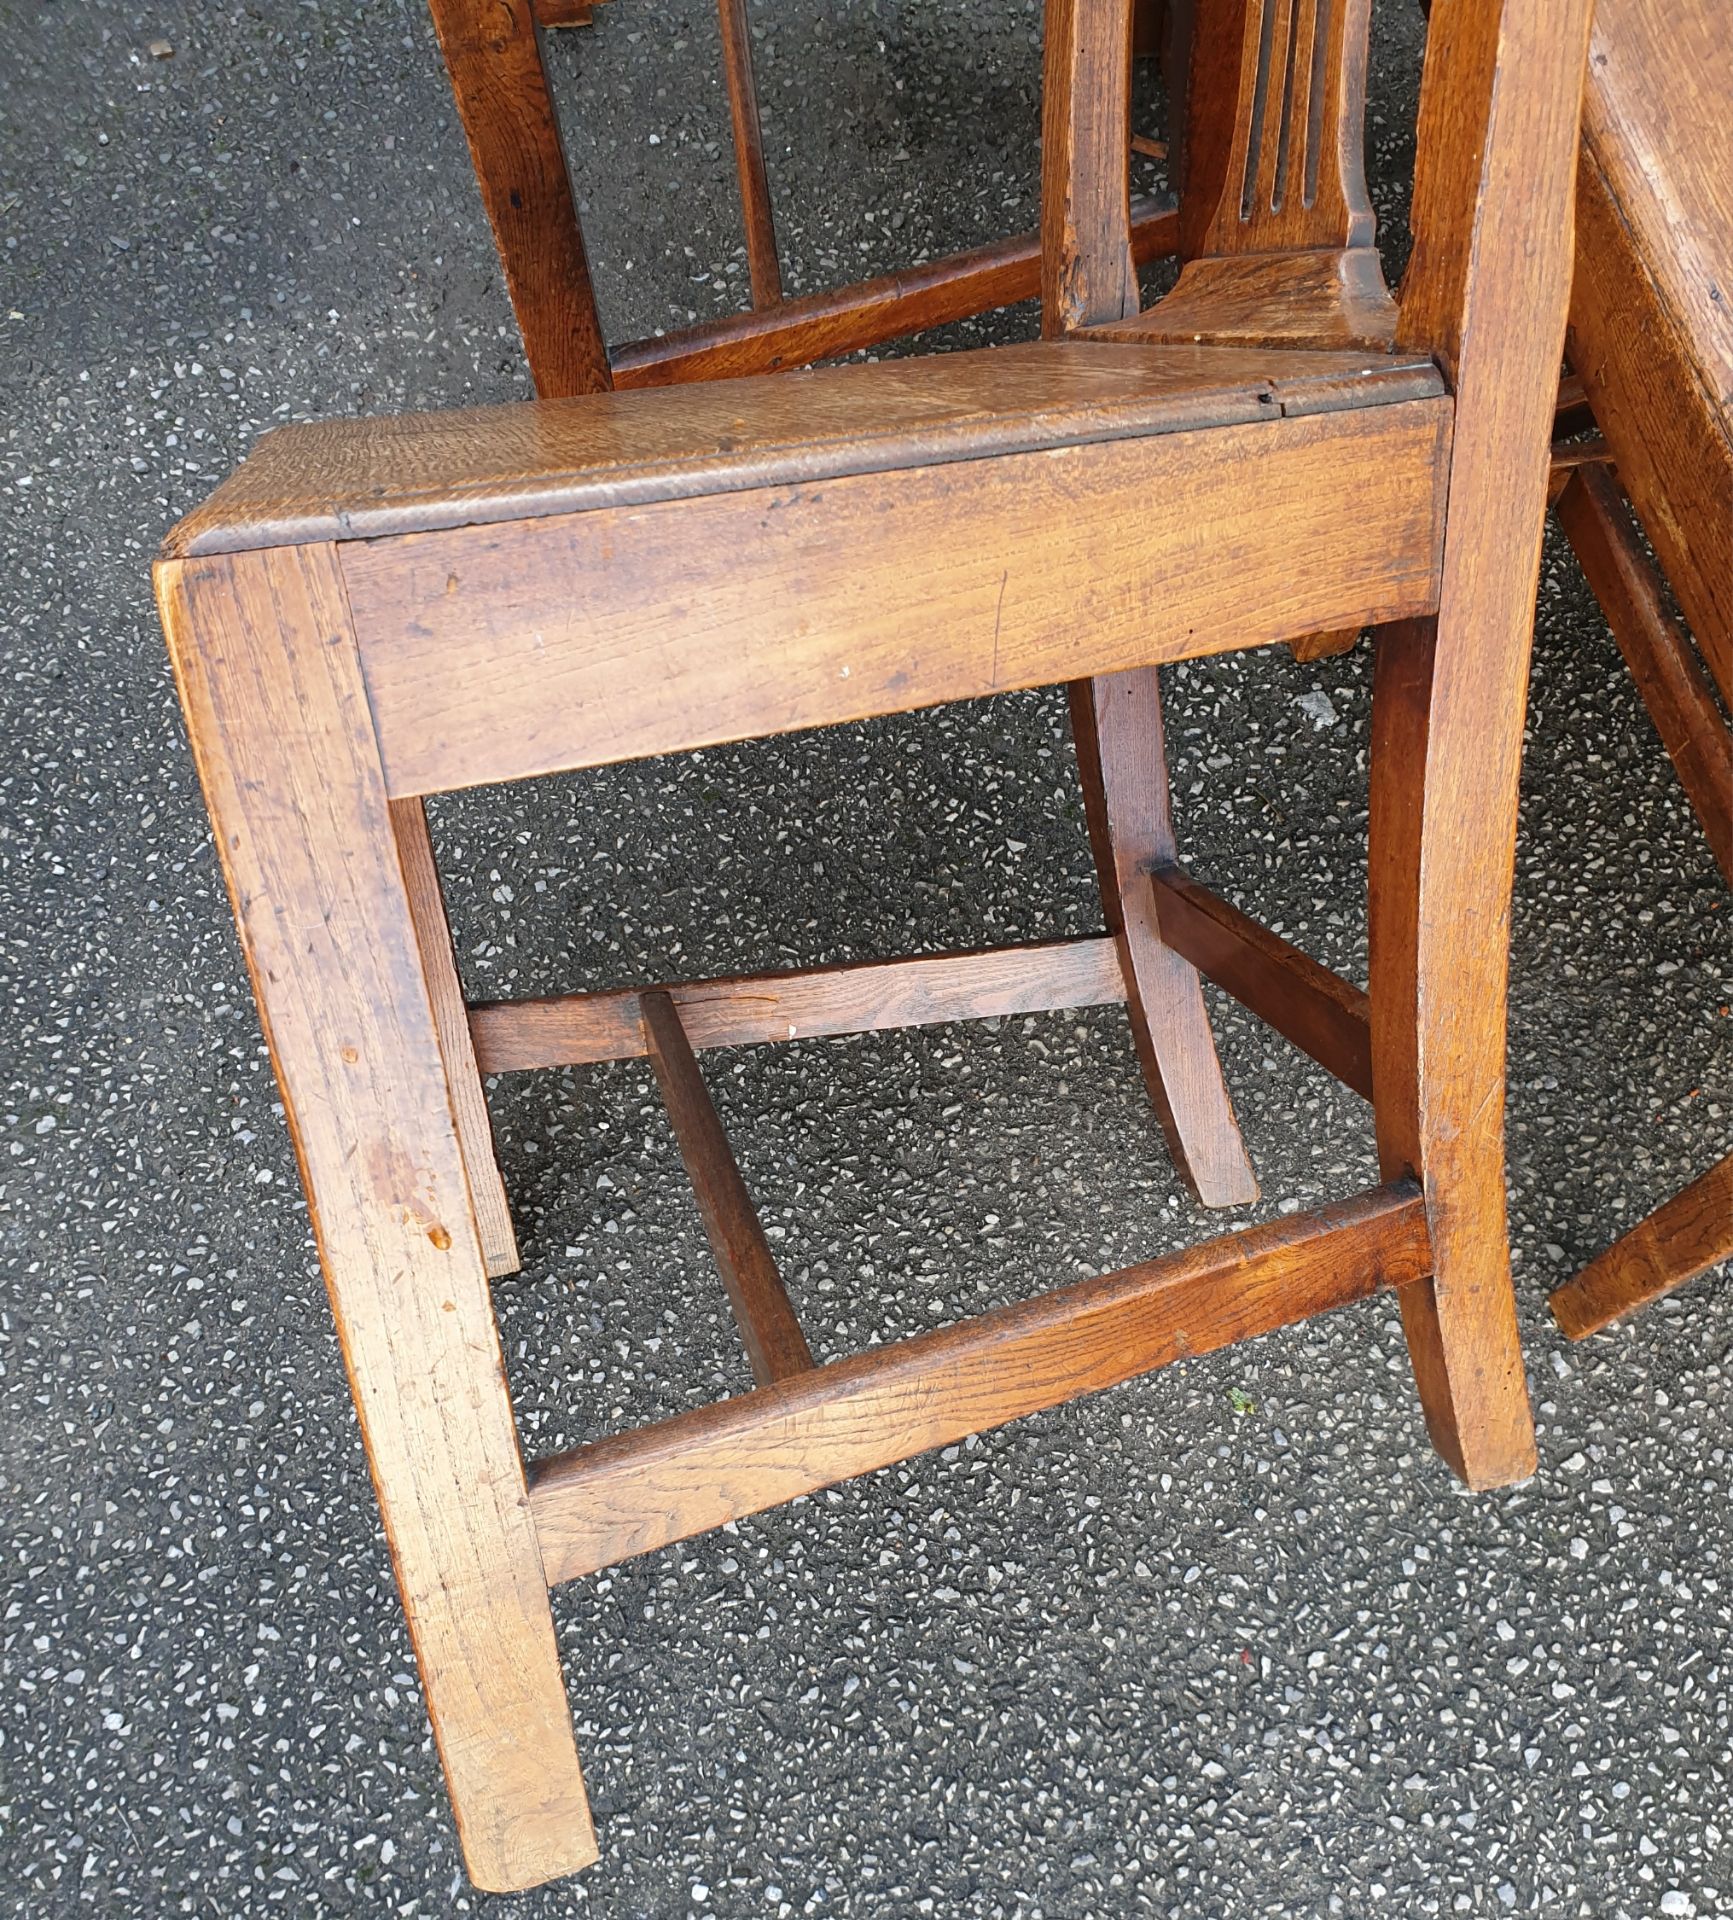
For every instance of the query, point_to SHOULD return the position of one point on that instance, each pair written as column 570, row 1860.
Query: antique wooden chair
column 373, row 611
column 1651, row 342
column 493, row 53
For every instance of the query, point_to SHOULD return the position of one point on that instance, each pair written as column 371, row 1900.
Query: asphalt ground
column 1228, row 1641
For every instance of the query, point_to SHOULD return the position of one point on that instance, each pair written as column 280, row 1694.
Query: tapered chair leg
column 1440, row 858
column 1122, row 759
column 283, row 736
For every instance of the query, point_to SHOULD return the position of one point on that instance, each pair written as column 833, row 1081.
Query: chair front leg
column 281, row 729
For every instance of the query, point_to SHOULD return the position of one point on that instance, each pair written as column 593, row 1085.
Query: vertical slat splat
column 1274, row 111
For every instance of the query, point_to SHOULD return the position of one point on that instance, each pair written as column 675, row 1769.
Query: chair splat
column 1276, row 227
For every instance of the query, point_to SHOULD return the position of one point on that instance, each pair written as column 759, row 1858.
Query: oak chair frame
column 369, row 614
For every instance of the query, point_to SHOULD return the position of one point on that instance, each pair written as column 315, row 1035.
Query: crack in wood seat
column 373, row 612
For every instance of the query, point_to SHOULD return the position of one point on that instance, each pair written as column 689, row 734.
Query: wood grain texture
column 841, row 320
column 1275, row 221
column 867, row 996
column 494, row 59
column 756, row 215
column 278, row 719
column 1674, row 687
column 1122, row 762
column 1486, row 290
column 1691, row 1233
column 422, row 472
column 1651, row 315
column 635, row 1492
column 493, row 653
column 1325, row 1016
column 1324, row 646
column 1332, row 300
column 1088, row 271
column 775, row 1346
column 451, row 1022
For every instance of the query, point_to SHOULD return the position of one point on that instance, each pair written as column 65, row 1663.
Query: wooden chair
column 493, row 53
column 1651, row 341
column 373, row 611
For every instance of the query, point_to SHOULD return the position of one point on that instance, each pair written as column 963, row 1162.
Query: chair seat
column 422, row 472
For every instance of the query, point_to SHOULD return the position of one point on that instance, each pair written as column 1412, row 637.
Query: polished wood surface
column 1275, row 103
column 494, row 58
column 271, row 688
column 1276, row 226
column 1328, row 300
column 405, row 614
column 1486, row 289
column 762, row 266
column 1122, row 761
column 639, row 1491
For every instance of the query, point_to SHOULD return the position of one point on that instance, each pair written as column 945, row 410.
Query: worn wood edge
column 583, row 1029
column 487, row 1193
column 557, row 1836
column 1326, row 1017
column 1628, row 390
column 635, row 1492
column 1672, row 314
column 770, row 1331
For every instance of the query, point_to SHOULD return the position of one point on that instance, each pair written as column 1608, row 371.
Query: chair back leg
column 1122, row 759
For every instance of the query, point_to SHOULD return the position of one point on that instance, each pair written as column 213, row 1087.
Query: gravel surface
column 1228, row 1641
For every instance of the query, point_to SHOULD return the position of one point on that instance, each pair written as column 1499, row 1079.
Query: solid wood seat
column 1651, row 341
column 372, row 613
column 421, row 472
